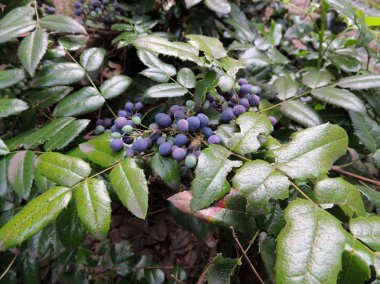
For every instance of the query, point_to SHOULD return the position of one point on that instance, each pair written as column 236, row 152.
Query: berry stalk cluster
column 103, row 11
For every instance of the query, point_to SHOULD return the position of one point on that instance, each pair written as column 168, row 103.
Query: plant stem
column 37, row 17
column 300, row 191
column 9, row 267
column 322, row 33
column 343, row 172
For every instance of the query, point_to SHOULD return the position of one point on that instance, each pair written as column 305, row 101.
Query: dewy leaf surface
column 312, row 151
column 310, row 247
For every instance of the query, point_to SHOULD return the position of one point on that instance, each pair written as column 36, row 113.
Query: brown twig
column 343, row 172
column 245, row 256
column 300, row 191
column 9, row 267
column 176, row 279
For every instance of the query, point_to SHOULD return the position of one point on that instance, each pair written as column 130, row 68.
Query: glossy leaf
column 360, row 82
column 312, row 151
column 372, row 195
column 91, row 59
column 166, row 90
column 221, row 269
column 300, row 113
column 267, row 249
column 310, row 247
column 340, row 192
column 251, row 126
column 46, row 97
column 210, row 182
column 130, row 184
column 98, row 151
column 167, row 169
column 3, row 177
column 61, row 24
column 317, row 78
column 211, row 46
column 158, row 70
column 115, row 86
column 205, row 85
column 62, row 169
column 38, row 213
column 367, row 230
column 20, row 172
column 16, row 22
column 260, row 183
column 341, row 98
column 186, row 77
column 12, row 106
column 94, row 207
column 83, row 101
column 367, row 130
column 42, row 183
column 31, row 50
column 219, row 6
column 3, row 148
column 10, row 77
column 58, row 74
column 285, row 88
column 190, row 3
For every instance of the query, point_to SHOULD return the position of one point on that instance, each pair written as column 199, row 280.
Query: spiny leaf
column 115, row 86
column 367, row 229
column 91, row 59
column 10, row 77
column 186, row 77
column 16, row 22
column 300, row 113
column 58, row 74
column 12, row 106
column 317, row 78
column 284, row 87
column 61, row 24
column 360, row 82
column 221, row 269
column 211, row 46
column 167, row 169
column 166, row 90
column 367, row 130
column 159, row 70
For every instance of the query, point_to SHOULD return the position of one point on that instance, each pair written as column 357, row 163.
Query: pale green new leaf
column 186, row 77
column 210, row 182
column 115, row 86
column 312, row 151
column 251, row 126
column 10, row 77
column 300, row 113
column 94, row 207
column 360, row 82
column 285, row 88
column 367, row 130
column 211, row 46
column 260, row 183
column 91, row 59
column 166, row 90
column 31, row 50
column 61, row 24
column 12, row 106
column 340, row 192
column 58, row 74
column 310, row 247
column 341, row 98
column 367, row 230
column 316, row 78
column 16, row 22
column 62, row 169
column 38, row 213
column 130, row 184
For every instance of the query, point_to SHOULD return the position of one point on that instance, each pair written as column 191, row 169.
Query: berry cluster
column 103, row 11
column 46, row 7
column 15, row 89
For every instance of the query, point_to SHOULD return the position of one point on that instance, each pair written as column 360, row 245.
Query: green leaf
column 210, row 182
column 61, row 24
column 190, row 3
column 260, row 183
column 98, row 151
column 206, row 85
column 67, row 134
column 167, row 169
column 31, row 270
column 73, row 42
column 16, row 22
column 310, row 247
column 211, row 46
column 159, row 71
column 300, row 113
column 42, row 183
column 360, row 82
column 367, row 130
column 312, row 151
column 20, row 172
column 115, row 86
column 3, row 148
column 46, row 97
column 12, row 106
column 376, row 158
column 166, row 90
column 341, row 98
column 372, row 195
column 367, row 230
column 340, row 192
column 221, row 269
column 58, row 74
column 10, row 77
column 219, row 6
column 346, row 62
column 183, row 51
column 154, row 276
column 316, row 78
column 62, row 169
column 91, row 59
column 38, row 213
column 31, row 50
column 94, row 207
column 186, row 78
column 130, row 184
column 285, row 88
column 3, row 177
column 83, row 101
column 267, row 249
column 251, row 126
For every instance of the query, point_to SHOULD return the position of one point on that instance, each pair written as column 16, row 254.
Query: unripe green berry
column 190, row 161
column 115, row 135
column 190, row 103
column 136, row 120
column 127, row 129
column 99, row 129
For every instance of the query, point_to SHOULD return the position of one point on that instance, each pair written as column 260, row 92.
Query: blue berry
column 273, row 120
column 238, row 110
column 206, row 105
column 213, row 139
column 51, row 10
column 255, row 90
column 194, row 123
column 245, row 89
column 206, row 131
column 149, row 141
column 182, row 125
column 244, row 102
column 163, row 119
column 99, row 129
column 242, row 81
column 128, row 106
column 139, row 114
column 178, row 153
column 180, row 140
column 114, row 128
column 120, row 122
column 77, row 12
column 116, row 144
column 107, row 122
column 254, row 100
column 138, row 106
column 94, row 3
column 227, row 115
column 130, row 153
column 100, row 122
column 197, row 153
column 140, row 145
column 204, row 120
column 190, row 161
column 178, row 114
column 160, row 141
column 122, row 113
column 153, row 126
column 77, row 5
column 174, row 108
column 165, row 148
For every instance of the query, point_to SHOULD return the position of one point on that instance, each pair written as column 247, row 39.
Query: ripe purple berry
column 178, row 154
column 138, row 106
column 194, row 123
column 122, row 113
column 242, row 81
column 130, row 153
column 160, row 141
column 239, row 109
column 204, row 120
column 213, row 139
column 165, row 148
column 116, row 144
column 182, row 125
column 244, row 102
column 179, row 114
column 254, row 100
column 140, row 145
column 120, row 122
column 163, row 119
column 245, row 89
column 107, row 122
column 128, row 106
column 227, row 115
column 206, row 131
column 180, row 140
column 273, row 120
